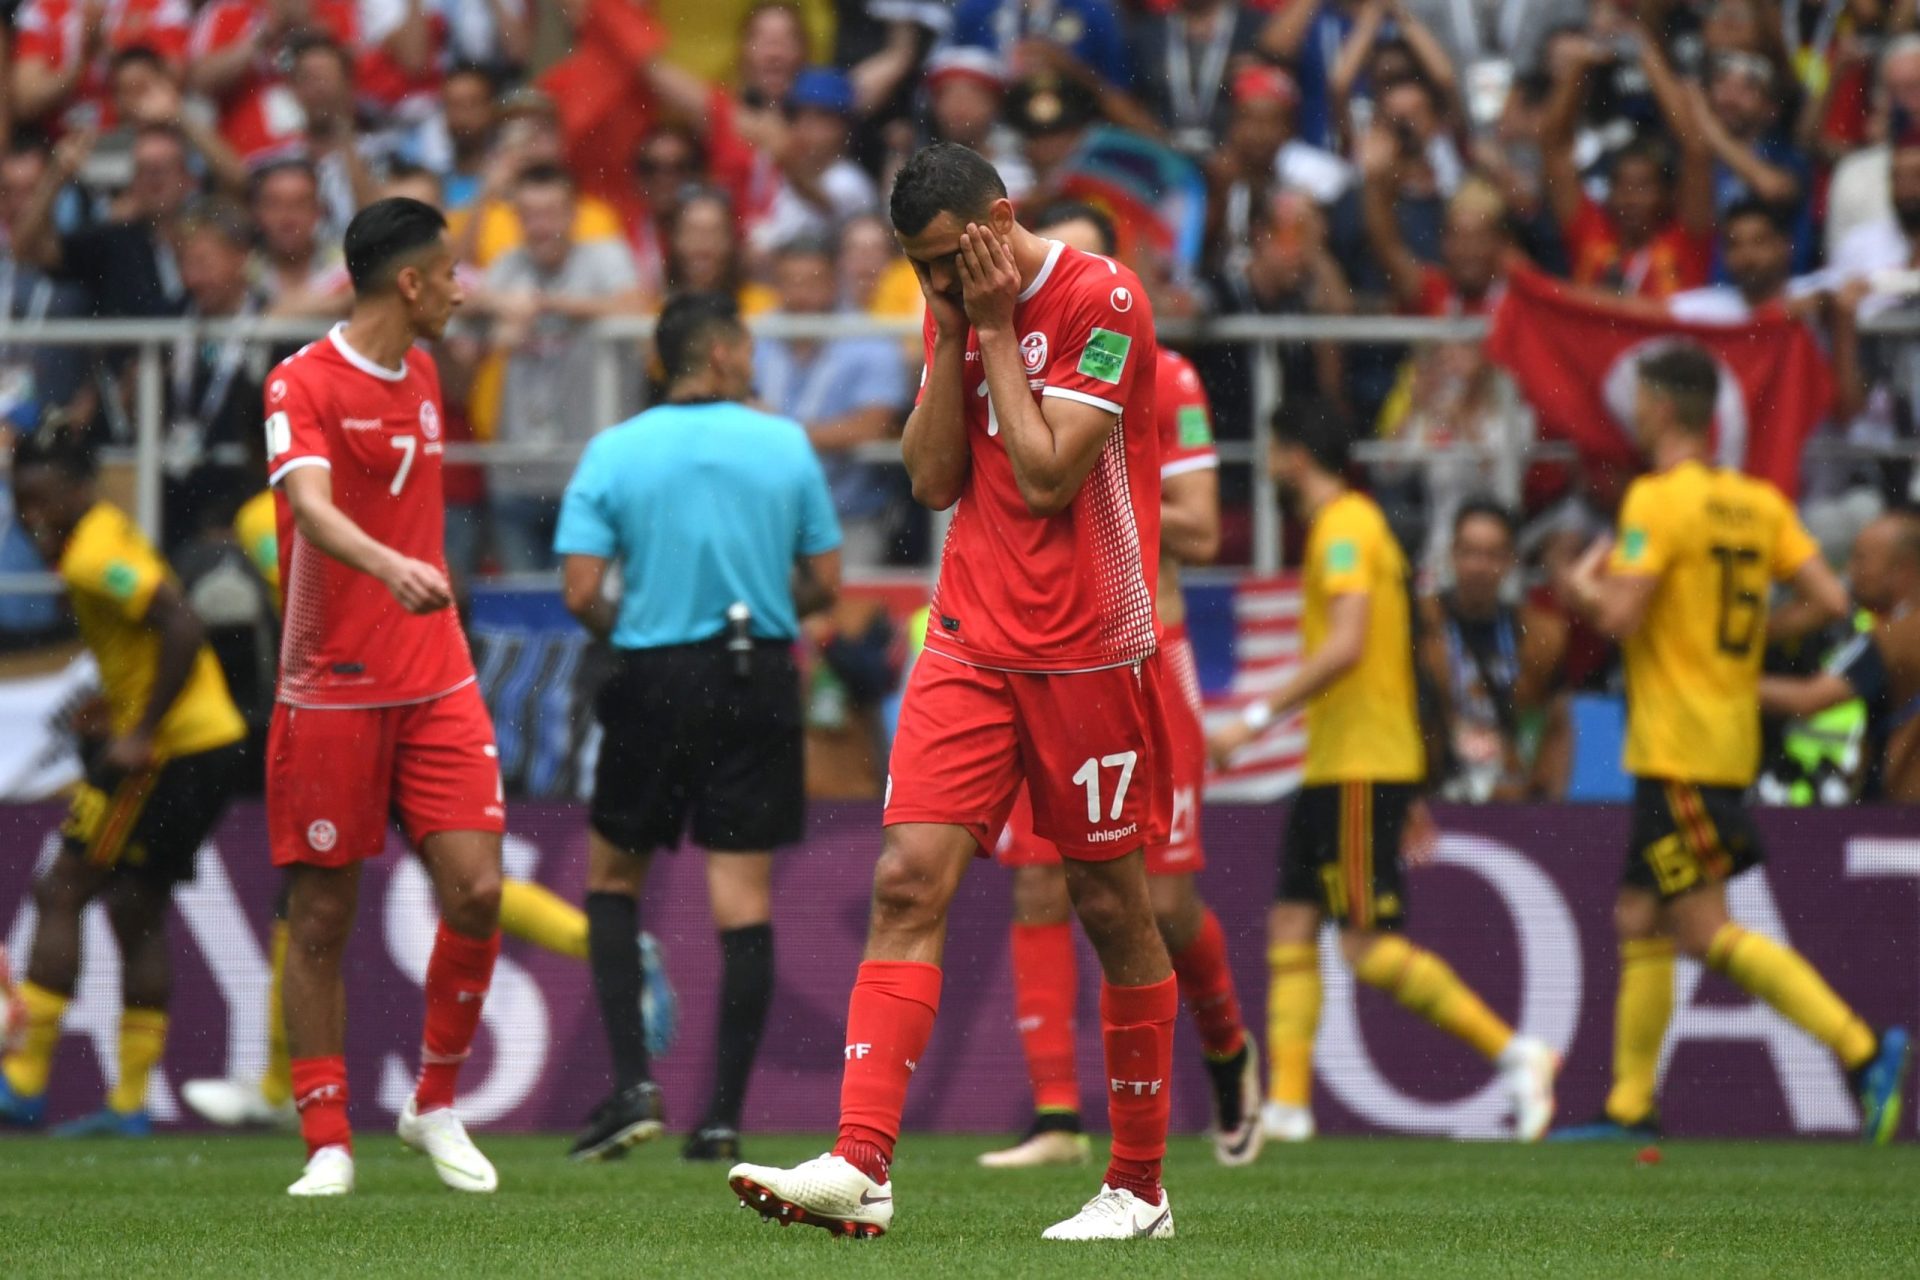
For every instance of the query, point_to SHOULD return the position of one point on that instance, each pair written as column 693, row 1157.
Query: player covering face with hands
column 1040, row 670
column 378, row 710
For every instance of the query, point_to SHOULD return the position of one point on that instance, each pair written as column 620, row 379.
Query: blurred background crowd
column 1704, row 162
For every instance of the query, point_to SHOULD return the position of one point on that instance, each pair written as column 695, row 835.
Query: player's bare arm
column 1819, row 599
column 1347, row 617
column 816, row 583
column 583, row 588
column 417, row 585
column 1190, row 516
column 1614, row 604
column 1805, row 695
column 1052, row 448
column 934, row 442
column 181, row 634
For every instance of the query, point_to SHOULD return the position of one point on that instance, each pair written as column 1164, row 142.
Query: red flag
column 1574, row 360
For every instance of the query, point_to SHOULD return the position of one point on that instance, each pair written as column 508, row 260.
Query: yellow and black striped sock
column 1293, row 1015
column 1782, row 977
column 1641, row 1012
column 29, row 1065
column 1424, row 984
column 143, row 1039
column 533, row 913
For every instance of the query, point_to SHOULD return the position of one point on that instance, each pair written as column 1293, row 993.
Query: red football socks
column 889, row 1020
column 1206, row 981
column 1136, row 1024
column 320, row 1095
column 1045, row 988
column 458, row 974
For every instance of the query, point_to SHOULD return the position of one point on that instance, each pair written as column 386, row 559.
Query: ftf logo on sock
column 858, row 1051
column 1138, row 1088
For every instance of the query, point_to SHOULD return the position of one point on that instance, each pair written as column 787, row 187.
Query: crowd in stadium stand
column 1714, row 161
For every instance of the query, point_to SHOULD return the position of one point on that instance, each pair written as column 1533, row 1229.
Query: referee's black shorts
column 689, row 747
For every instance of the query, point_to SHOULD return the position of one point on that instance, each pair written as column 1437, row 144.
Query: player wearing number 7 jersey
column 378, row 708
column 1685, row 590
column 1035, row 422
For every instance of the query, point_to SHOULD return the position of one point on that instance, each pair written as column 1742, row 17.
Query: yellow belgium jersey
column 257, row 526
column 1716, row 541
column 111, row 572
column 1365, row 727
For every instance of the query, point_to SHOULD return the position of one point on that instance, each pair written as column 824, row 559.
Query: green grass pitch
column 190, row 1206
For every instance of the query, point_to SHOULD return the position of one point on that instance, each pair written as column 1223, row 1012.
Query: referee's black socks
column 746, row 992
column 613, row 951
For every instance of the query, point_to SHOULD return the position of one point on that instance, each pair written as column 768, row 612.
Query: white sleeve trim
column 1202, row 462
column 310, row 460
column 1067, row 393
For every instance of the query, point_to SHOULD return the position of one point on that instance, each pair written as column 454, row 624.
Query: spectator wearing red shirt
column 238, row 59
column 63, row 50
column 1474, row 243
column 1654, row 235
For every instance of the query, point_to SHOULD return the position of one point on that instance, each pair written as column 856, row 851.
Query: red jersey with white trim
column 259, row 116
column 1073, row 591
column 1184, row 416
column 346, row 642
column 53, row 33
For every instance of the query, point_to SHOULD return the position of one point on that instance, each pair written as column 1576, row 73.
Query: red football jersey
column 259, row 117
column 52, row 32
column 346, row 641
column 1184, row 416
column 1074, row 591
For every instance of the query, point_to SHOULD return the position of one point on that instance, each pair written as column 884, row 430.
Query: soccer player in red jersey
column 1035, row 423
column 378, row 709
column 1045, row 989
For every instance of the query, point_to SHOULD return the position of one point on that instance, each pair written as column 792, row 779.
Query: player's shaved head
column 388, row 236
column 690, row 329
column 943, row 178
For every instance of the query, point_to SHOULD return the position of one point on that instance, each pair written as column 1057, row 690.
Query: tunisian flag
column 1574, row 360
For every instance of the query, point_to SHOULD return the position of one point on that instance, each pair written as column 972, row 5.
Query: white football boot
column 1282, row 1123
column 825, row 1192
column 1527, row 1070
column 443, row 1139
column 1241, row 1144
column 237, row 1104
column 1116, row 1214
column 328, row 1173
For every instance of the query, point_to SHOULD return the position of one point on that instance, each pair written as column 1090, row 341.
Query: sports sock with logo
column 320, row 1095
column 1206, row 982
column 1045, row 987
column 534, row 913
column 28, row 1066
column 613, row 926
column 458, row 974
column 1293, row 1015
column 746, row 993
column 889, row 1021
column 1424, row 984
column 276, row 1086
column 1640, row 1017
column 1783, row 978
column 143, row 1038
column 1136, row 1027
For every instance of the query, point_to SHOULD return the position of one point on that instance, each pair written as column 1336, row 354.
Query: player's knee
column 58, row 891
column 906, row 885
column 1105, row 910
column 474, row 908
column 1636, row 916
column 319, row 922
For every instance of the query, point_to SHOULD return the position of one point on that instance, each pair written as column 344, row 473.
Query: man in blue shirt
column 1090, row 30
column 846, row 392
column 722, row 526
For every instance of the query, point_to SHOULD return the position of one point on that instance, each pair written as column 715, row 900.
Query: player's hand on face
column 418, row 586
column 990, row 280
column 949, row 321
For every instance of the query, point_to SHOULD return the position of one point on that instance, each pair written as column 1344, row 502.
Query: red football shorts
column 335, row 777
column 1180, row 703
column 1087, row 746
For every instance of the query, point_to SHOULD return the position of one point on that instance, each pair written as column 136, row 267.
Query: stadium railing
column 617, row 340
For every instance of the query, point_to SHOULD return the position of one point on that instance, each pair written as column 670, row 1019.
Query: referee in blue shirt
column 722, row 524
